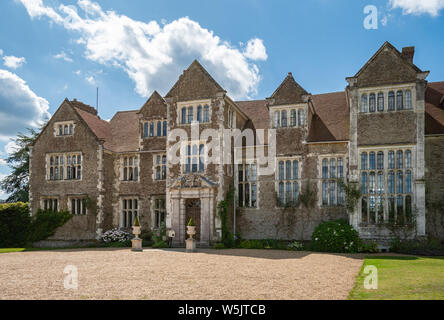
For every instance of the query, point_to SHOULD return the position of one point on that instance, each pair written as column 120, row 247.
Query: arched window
column 165, row 128
column 381, row 184
column 206, row 116
column 372, row 161
column 281, row 170
column 295, row 170
column 199, row 114
column 391, row 182
column 288, row 193
column 364, row 159
column 391, row 101
column 277, row 120
column 301, row 118
column 190, row 114
column 408, row 159
column 372, row 103
column 284, row 118
column 372, row 183
column 399, row 160
column 202, row 158
column 325, row 169
column 399, row 182
column 391, row 160
column 159, row 128
column 408, row 99
column 332, row 168
column 288, row 170
column 151, row 129
column 380, row 160
column 364, row 102
column 399, row 100
column 145, row 130
column 295, row 193
column 281, row 193
column 340, row 168
column 65, row 130
column 184, row 115
column 381, row 101
column 60, row 130
column 408, row 182
column 364, row 210
column 71, row 129
column 364, row 186
column 293, row 118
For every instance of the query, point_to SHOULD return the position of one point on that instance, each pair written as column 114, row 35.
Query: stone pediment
column 188, row 181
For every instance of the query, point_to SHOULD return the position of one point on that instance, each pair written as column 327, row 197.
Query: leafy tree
column 17, row 183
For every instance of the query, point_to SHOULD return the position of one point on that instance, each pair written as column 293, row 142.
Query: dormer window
column 297, row 117
column 157, row 128
column 372, row 103
column 375, row 102
column 391, row 101
column 63, row 129
column 399, row 100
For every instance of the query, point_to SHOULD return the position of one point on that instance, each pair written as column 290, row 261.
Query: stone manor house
column 383, row 134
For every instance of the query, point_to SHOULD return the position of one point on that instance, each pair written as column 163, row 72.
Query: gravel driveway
column 173, row 274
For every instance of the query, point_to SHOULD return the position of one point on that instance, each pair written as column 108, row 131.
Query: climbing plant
column 352, row 195
column 223, row 209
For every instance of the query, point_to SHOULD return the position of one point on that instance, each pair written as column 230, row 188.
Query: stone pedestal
column 191, row 245
column 137, row 245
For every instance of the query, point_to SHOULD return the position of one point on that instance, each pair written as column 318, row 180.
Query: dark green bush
column 15, row 224
column 421, row 247
column 369, row 247
column 335, row 236
column 160, row 244
column 45, row 223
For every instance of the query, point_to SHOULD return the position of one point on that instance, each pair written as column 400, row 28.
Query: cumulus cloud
column 256, row 50
column 1, row 52
column 20, row 107
column 154, row 55
column 62, row 55
column 13, row 62
column 418, row 7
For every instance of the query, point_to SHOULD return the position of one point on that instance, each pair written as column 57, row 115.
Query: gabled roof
column 434, row 108
column 155, row 100
column 125, row 131
column 98, row 126
column 288, row 92
column 195, row 83
column 387, row 66
column 331, row 120
column 257, row 111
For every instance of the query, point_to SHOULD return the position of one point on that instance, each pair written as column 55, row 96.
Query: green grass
column 403, row 278
column 6, row 250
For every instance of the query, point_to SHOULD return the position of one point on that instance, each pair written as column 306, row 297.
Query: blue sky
column 52, row 49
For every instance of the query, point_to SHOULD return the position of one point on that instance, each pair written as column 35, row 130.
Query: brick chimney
column 408, row 53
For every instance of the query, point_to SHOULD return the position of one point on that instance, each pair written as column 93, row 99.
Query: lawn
column 6, row 250
column 403, row 278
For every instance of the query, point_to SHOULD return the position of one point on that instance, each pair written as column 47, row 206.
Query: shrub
column 422, row 247
column 335, row 236
column 15, row 224
column 160, row 244
column 296, row 246
column 115, row 235
column 369, row 247
column 158, row 235
column 45, row 223
column 252, row 244
column 219, row 246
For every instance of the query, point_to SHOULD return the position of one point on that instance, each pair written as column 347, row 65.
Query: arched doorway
column 193, row 210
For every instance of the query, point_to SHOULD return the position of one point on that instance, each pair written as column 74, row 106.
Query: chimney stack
column 408, row 53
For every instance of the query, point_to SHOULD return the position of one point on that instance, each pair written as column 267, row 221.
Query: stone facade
column 125, row 167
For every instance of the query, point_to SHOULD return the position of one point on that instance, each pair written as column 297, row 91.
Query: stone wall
column 434, row 176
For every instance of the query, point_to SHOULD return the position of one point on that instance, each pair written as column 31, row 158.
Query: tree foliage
column 16, row 184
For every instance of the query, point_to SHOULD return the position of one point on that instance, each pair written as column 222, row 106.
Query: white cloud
column 78, row 72
column 256, row 50
column 418, row 7
column 91, row 80
column 62, row 55
column 1, row 52
column 155, row 55
column 13, row 62
column 20, row 107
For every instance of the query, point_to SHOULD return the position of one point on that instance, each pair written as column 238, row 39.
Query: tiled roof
column 125, row 131
column 434, row 108
column 100, row 127
column 257, row 111
column 331, row 119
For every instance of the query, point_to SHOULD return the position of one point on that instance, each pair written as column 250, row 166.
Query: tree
column 17, row 183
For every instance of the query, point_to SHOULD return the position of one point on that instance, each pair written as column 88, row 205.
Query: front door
column 192, row 207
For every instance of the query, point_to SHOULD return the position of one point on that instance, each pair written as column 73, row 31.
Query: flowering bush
column 335, row 236
column 115, row 235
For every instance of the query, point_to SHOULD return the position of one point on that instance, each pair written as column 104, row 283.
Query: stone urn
column 136, row 242
column 191, row 231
